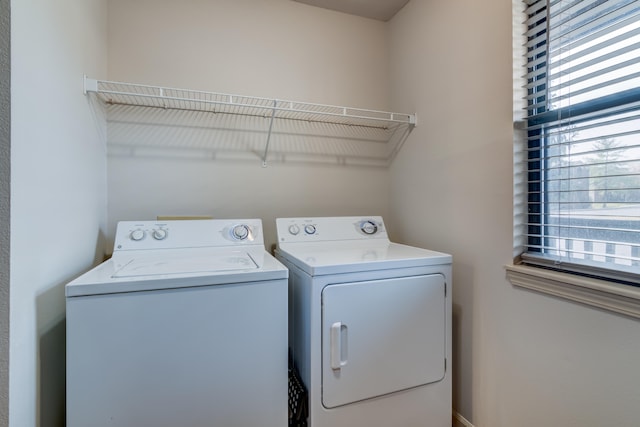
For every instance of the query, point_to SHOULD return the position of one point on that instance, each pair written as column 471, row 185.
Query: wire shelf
column 362, row 122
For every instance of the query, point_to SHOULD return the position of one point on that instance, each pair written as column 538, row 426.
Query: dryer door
column 381, row 336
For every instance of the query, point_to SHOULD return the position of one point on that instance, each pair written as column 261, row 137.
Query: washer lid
column 321, row 258
column 135, row 271
column 184, row 262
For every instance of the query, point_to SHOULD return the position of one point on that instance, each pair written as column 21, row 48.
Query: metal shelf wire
column 394, row 127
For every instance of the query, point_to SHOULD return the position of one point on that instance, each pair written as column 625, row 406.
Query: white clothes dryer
column 185, row 325
column 369, row 323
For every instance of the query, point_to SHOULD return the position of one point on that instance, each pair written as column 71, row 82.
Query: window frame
column 576, row 283
column 603, row 294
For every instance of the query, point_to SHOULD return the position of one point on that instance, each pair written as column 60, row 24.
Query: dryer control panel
column 323, row 229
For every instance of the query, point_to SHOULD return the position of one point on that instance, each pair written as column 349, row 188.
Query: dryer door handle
column 338, row 345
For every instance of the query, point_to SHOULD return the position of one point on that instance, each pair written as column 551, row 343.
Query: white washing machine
column 369, row 323
column 186, row 325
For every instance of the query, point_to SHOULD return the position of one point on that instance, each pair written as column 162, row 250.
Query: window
column 583, row 137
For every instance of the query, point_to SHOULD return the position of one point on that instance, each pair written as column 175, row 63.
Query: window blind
column 583, row 137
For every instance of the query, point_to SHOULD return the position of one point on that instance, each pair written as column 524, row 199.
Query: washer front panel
column 202, row 356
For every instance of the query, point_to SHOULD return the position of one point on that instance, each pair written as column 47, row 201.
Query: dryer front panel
column 381, row 336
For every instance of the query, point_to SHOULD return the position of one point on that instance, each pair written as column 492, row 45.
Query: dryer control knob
column 137, row 235
column 159, row 234
column 240, row 232
column 294, row 229
column 368, row 227
column 310, row 229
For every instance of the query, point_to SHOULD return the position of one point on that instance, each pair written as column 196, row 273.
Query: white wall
column 5, row 179
column 58, row 190
column 270, row 48
column 521, row 359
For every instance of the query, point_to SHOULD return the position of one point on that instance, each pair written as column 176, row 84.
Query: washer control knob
column 294, row 229
column 310, row 229
column 368, row 227
column 159, row 234
column 137, row 235
column 240, row 232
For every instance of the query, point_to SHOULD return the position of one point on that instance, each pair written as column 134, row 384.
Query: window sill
column 597, row 293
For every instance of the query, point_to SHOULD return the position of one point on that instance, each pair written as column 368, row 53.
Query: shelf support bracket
column 266, row 147
column 89, row 85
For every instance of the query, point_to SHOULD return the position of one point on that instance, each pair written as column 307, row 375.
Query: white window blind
column 583, row 137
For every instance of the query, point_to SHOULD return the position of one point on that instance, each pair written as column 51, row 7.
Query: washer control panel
column 137, row 235
column 291, row 230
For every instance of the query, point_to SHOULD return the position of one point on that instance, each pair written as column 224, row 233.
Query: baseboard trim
column 462, row 420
